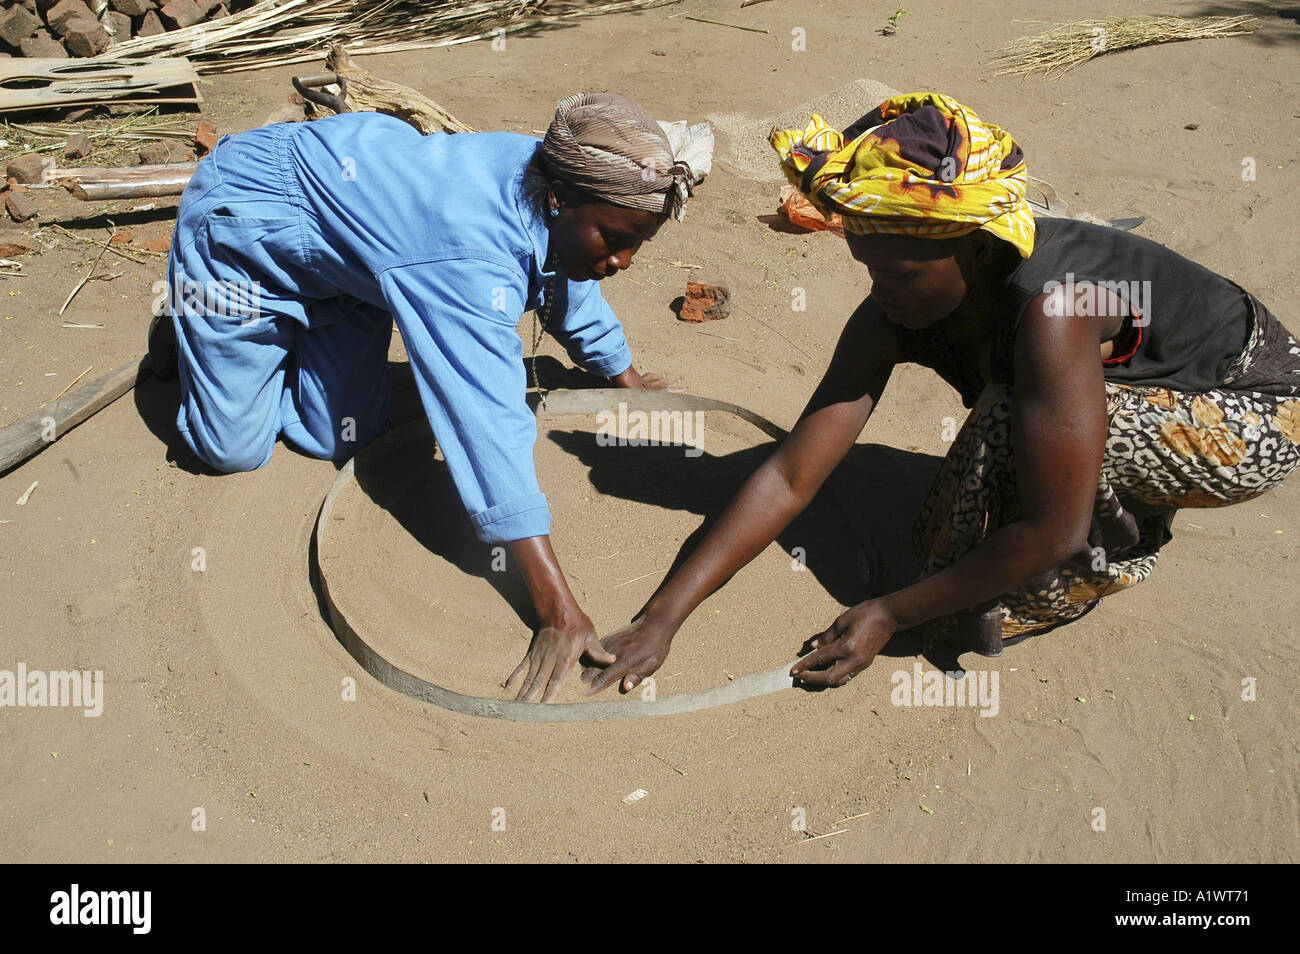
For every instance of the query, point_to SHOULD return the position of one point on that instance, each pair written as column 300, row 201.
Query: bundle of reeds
column 278, row 32
column 1068, row 44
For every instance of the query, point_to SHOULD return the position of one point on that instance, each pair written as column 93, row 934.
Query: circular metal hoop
column 554, row 404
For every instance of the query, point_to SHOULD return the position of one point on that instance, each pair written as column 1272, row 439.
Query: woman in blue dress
column 297, row 247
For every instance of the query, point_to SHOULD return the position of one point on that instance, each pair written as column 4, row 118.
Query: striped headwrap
column 921, row 164
column 613, row 150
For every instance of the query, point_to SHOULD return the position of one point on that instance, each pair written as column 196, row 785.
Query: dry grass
column 114, row 140
column 1068, row 44
column 278, row 32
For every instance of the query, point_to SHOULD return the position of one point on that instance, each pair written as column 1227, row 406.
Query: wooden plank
column 50, row 83
column 31, row 434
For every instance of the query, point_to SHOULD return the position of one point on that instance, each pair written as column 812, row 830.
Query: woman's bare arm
column 1059, row 434
column 773, row 496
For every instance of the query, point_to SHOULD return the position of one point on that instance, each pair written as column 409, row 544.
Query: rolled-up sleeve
column 588, row 329
column 457, row 317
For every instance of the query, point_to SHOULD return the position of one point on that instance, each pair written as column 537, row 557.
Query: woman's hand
column 564, row 631
column 653, row 381
column 555, row 648
column 847, row 647
column 634, row 380
column 639, row 649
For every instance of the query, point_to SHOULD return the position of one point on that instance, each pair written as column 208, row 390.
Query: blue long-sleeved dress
column 296, row 248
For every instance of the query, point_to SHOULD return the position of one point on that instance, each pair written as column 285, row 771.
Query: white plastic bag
column 692, row 145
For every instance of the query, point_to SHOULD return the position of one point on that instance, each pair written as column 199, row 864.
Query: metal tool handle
column 308, row 87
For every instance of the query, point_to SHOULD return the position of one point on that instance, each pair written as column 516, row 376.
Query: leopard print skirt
column 1165, row 450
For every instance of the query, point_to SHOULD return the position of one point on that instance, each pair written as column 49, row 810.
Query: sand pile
column 743, row 142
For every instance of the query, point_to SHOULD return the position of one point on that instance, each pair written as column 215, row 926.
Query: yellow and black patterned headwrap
column 921, row 164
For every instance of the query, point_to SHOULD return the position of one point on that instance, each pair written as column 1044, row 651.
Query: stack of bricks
column 66, row 28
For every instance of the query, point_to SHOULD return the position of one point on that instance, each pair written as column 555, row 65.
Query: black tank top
column 1185, row 328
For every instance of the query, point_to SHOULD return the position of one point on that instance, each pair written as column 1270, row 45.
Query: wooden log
column 367, row 92
column 126, row 182
column 33, row 433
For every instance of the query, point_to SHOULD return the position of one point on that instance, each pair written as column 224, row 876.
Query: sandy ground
column 224, row 690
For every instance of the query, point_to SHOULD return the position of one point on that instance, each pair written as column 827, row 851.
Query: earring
column 554, row 211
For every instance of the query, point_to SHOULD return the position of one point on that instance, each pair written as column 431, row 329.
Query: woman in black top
column 1111, row 382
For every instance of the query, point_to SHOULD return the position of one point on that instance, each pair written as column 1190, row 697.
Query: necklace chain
column 539, row 327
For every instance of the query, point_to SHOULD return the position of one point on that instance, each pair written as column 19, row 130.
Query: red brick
column 78, row 146
column 158, row 245
column 17, row 24
column 20, row 207
column 64, row 11
column 85, row 37
column 117, row 25
column 122, row 238
column 132, row 8
column 205, row 137
column 150, row 25
column 43, row 46
column 705, row 302
column 182, row 13
column 29, row 167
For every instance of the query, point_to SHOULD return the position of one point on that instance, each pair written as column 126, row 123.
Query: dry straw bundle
column 277, row 32
column 1067, row 45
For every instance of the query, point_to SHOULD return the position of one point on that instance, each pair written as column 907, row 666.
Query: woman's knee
column 230, row 454
column 238, row 461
